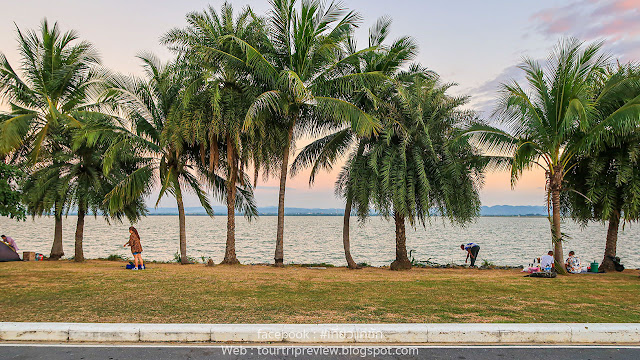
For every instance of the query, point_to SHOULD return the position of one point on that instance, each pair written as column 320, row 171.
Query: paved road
column 86, row 352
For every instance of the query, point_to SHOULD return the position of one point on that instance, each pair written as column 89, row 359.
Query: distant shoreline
column 527, row 211
column 270, row 214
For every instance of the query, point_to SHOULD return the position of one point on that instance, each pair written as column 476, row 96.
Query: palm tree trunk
column 230, row 250
column 402, row 260
column 612, row 241
column 346, row 242
column 345, row 235
column 557, row 233
column 79, row 254
column 279, row 255
column 554, row 186
column 57, row 250
column 183, row 231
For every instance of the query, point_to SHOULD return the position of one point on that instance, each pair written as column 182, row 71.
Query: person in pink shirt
column 9, row 240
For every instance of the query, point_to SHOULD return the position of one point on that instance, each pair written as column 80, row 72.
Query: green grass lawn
column 103, row 291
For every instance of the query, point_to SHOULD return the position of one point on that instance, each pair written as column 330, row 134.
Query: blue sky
column 476, row 44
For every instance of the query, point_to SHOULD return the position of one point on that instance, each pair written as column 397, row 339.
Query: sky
column 475, row 44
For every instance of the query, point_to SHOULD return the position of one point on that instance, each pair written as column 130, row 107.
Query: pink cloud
column 616, row 21
column 619, row 29
column 624, row 5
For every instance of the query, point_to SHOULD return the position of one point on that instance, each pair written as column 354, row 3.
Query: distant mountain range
column 498, row 210
column 509, row 210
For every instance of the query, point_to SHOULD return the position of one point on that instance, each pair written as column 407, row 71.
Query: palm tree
column 605, row 182
column 324, row 152
column 300, row 69
column 551, row 124
column 76, row 179
column 87, row 176
column 227, row 92
column 421, row 164
column 606, row 188
column 155, row 107
column 60, row 82
column 148, row 104
column 58, row 87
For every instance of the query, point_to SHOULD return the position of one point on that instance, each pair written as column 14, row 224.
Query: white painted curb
column 324, row 333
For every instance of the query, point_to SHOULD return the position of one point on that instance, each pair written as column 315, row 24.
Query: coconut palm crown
column 59, row 85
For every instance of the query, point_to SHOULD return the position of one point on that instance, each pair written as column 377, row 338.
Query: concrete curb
column 324, row 333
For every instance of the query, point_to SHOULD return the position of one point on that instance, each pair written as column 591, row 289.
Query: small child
column 136, row 248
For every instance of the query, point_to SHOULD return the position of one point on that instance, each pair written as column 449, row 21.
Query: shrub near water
column 115, row 257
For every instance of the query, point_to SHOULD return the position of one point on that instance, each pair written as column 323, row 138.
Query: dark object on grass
column 7, row 254
column 131, row 265
column 543, row 274
column 616, row 263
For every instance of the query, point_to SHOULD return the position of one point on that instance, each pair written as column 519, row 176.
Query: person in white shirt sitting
column 547, row 262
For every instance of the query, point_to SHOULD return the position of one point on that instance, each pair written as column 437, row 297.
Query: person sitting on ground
column 572, row 264
column 472, row 250
column 136, row 248
column 9, row 241
column 547, row 261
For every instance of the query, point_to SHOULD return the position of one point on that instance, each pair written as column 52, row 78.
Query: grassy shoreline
column 103, row 291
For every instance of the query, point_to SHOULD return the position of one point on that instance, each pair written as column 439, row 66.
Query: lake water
column 317, row 239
